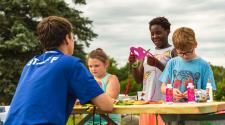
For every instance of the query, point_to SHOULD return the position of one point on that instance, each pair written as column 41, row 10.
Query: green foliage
column 79, row 1
column 121, row 73
column 113, row 67
column 124, row 75
column 18, row 40
column 219, row 75
column 133, row 88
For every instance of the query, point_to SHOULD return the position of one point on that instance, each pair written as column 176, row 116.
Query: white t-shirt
column 151, row 82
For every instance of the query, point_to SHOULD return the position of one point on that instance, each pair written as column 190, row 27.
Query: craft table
column 169, row 112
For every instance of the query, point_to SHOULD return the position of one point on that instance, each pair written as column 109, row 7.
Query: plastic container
column 141, row 95
column 191, row 93
column 200, row 96
column 209, row 91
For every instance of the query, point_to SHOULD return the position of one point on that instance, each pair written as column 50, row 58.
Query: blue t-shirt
column 180, row 71
column 48, row 87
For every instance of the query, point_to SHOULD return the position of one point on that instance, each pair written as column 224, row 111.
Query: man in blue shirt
column 50, row 83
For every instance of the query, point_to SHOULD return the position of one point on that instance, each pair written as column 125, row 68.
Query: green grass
column 79, row 117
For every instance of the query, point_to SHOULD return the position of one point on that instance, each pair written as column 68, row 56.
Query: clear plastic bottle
column 191, row 93
column 169, row 93
column 209, row 91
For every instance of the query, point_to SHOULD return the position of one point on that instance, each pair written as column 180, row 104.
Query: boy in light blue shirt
column 186, row 66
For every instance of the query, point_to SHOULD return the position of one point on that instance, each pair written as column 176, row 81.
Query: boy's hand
column 132, row 58
column 177, row 94
column 185, row 94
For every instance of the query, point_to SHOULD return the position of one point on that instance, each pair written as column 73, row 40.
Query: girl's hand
column 114, row 100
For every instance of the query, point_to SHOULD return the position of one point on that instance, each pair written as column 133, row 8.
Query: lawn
column 126, row 120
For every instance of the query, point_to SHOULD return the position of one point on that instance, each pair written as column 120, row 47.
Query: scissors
column 139, row 52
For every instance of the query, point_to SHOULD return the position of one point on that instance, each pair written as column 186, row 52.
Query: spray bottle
column 209, row 91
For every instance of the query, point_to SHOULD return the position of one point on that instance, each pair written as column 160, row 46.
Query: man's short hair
column 52, row 31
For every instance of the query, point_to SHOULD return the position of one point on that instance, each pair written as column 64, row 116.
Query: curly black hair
column 162, row 21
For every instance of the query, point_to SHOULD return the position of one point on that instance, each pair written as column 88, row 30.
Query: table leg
column 173, row 119
column 179, row 122
column 156, row 118
column 85, row 119
column 111, row 122
column 168, row 123
column 73, row 114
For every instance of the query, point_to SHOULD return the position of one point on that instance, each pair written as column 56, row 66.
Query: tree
column 121, row 73
column 18, row 38
column 219, row 73
column 124, row 75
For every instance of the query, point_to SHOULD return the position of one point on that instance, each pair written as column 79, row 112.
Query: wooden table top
column 175, row 108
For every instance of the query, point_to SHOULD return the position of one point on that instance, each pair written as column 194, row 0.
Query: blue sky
column 122, row 24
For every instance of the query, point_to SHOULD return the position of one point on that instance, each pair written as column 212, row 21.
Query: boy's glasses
column 185, row 53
